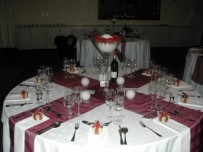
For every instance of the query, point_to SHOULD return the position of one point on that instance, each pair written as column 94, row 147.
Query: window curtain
column 7, row 24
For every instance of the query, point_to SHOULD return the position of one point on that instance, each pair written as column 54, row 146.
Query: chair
column 66, row 46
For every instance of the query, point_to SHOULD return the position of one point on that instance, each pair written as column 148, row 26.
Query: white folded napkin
column 181, row 85
column 16, row 97
column 97, row 140
column 20, row 128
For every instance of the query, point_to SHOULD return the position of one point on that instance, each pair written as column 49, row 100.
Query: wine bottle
column 114, row 69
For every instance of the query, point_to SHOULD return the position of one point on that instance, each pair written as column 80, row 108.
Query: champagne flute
column 110, row 101
column 72, row 67
column 77, row 97
column 68, row 102
column 152, row 91
column 66, row 66
column 132, row 65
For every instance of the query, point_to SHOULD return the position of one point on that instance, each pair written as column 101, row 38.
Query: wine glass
column 132, row 65
column 119, row 106
column 38, row 89
column 68, row 102
column 110, row 101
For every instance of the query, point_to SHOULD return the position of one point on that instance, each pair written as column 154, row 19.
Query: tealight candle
column 130, row 94
column 85, row 81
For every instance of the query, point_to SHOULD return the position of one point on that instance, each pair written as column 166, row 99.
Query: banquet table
column 191, row 58
column 178, row 134
column 138, row 48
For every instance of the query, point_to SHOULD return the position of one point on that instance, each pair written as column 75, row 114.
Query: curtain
column 7, row 24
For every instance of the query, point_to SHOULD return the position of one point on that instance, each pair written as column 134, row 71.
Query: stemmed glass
column 125, row 64
column 68, row 102
column 77, row 97
column 152, row 91
column 96, row 62
column 119, row 106
column 110, row 101
column 132, row 65
column 46, row 86
column 66, row 66
column 72, row 65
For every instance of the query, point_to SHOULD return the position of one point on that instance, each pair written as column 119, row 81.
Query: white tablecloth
column 191, row 58
column 135, row 48
column 176, row 137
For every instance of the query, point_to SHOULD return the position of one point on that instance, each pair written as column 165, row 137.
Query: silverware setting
column 143, row 125
column 77, row 125
column 54, row 125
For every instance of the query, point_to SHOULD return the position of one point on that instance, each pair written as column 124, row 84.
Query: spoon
column 125, row 131
column 91, row 123
column 54, row 125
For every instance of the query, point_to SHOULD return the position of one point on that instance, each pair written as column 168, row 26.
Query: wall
column 40, row 21
column 85, row 12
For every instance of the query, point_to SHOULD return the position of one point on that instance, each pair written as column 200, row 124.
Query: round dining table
column 53, row 133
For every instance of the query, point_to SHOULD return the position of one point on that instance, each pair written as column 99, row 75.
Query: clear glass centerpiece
column 106, row 44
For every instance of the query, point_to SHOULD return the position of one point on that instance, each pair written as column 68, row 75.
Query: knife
column 18, row 104
column 182, row 116
column 27, row 85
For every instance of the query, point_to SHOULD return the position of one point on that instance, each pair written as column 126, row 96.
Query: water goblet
column 119, row 106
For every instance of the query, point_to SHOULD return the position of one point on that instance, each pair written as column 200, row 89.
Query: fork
column 143, row 125
column 76, row 127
